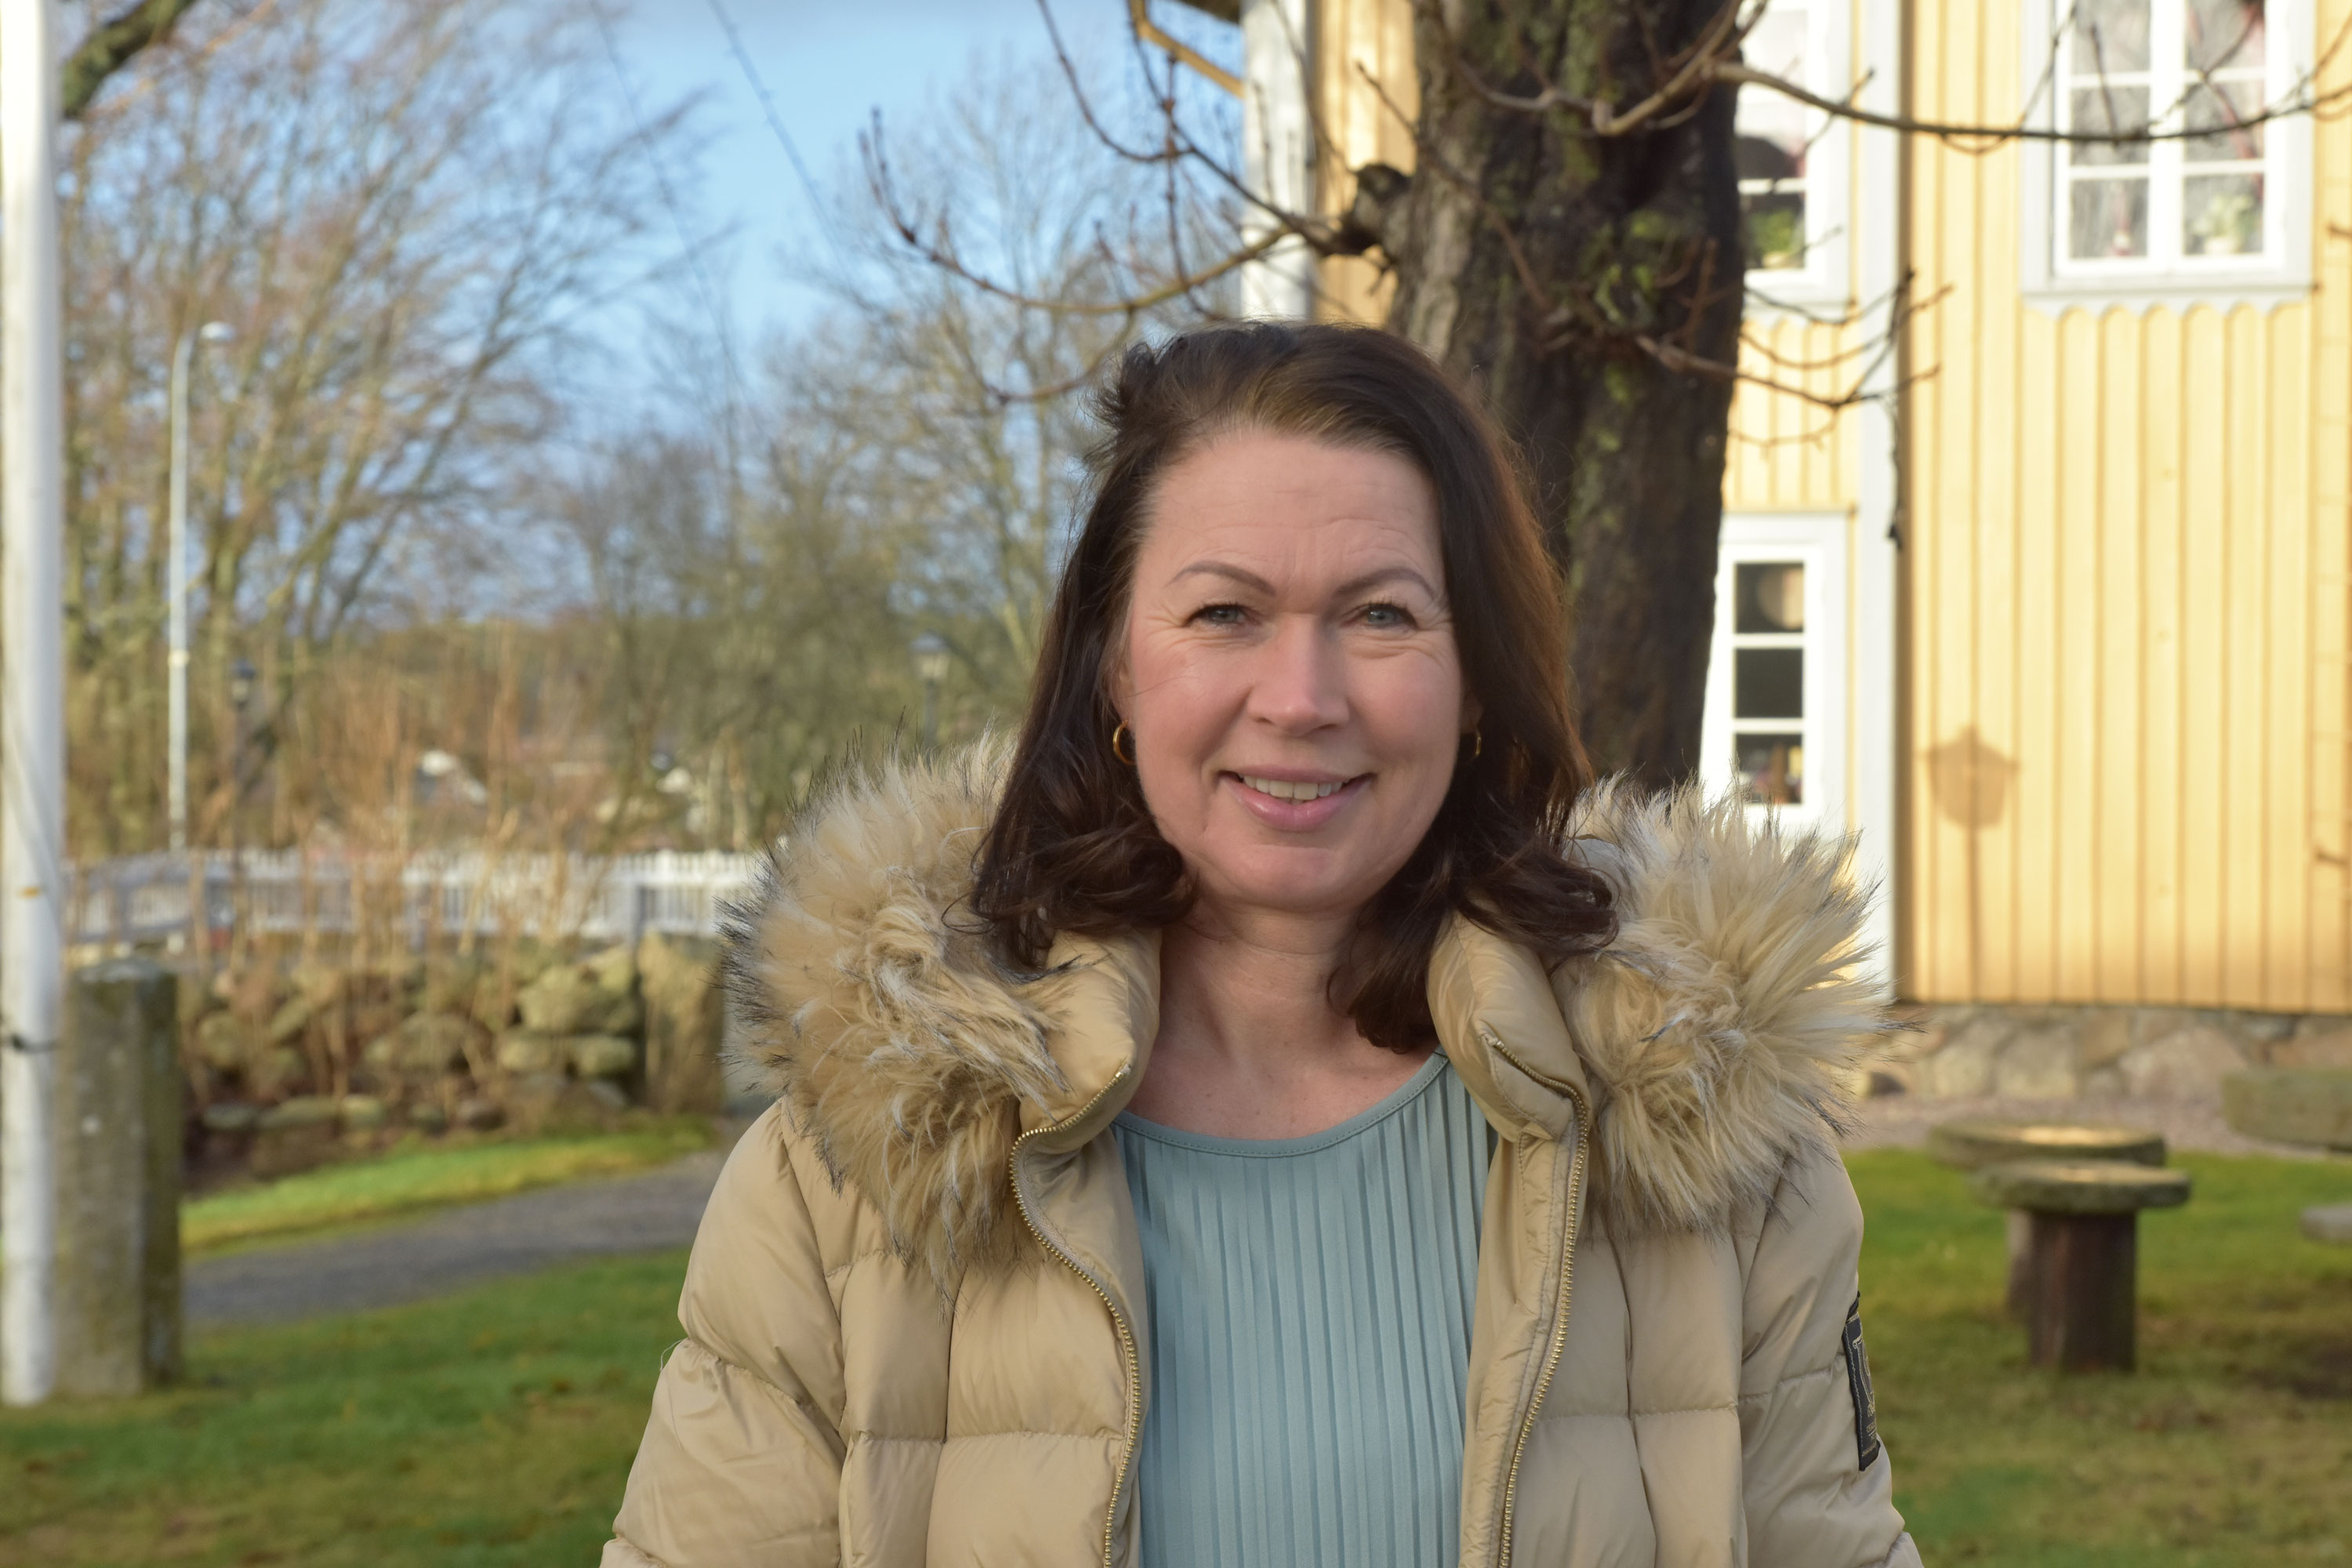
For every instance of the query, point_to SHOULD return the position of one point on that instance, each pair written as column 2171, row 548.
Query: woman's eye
column 1219, row 614
column 1388, row 617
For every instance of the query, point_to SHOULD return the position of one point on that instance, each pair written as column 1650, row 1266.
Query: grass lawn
column 496, row 1427
column 2232, row 1444
column 424, row 1176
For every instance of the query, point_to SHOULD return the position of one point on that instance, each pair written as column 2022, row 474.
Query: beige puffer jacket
column 914, row 1311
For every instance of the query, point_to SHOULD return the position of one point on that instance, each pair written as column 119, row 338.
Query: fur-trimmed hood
column 1710, row 1042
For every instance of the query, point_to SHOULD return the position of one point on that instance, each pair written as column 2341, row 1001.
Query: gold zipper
column 1117, row 1319
column 1567, row 1288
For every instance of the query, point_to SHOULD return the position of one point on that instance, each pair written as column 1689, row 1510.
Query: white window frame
column 1829, row 175
column 1819, row 540
column 2057, row 282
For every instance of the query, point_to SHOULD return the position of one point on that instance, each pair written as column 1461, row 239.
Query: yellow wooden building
column 2058, row 623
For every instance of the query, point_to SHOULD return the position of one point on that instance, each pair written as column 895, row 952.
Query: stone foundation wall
column 1965, row 1051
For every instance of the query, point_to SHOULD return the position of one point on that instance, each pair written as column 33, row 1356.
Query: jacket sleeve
column 1818, row 1485
column 740, row 1462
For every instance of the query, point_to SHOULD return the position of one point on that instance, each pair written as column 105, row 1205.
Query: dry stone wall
column 1970, row 1052
column 287, row 1060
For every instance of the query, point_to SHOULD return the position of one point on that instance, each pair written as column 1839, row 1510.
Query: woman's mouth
column 1296, row 805
column 1293, row 789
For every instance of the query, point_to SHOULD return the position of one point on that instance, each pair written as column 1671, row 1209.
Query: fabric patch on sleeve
column 1865, row 1404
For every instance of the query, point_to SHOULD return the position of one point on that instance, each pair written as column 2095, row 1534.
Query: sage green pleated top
column 1310, row 1301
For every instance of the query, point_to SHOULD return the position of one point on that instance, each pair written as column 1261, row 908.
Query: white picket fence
column 151, row 898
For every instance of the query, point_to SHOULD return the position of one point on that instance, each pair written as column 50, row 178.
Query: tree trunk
column 1627, row 237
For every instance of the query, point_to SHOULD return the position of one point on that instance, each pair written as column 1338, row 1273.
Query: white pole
column 32, row 694
column 1878, row 558
column 175, row 571
column 1277, row 153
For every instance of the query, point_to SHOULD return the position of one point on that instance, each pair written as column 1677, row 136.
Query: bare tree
column 400, row 213
column 1541, row 262
column 981, row 386
column 1570, row 243
column 908, row 466
column 745, row 632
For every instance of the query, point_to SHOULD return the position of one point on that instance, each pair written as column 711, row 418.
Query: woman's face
column 1290, row 679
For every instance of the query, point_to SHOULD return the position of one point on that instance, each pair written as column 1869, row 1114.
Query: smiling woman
column 1283, row 1114
column 1283, row 522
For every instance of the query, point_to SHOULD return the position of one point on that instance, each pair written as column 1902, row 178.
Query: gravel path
column 660, row 1209
column 1902, row 1119
column 649, row 1213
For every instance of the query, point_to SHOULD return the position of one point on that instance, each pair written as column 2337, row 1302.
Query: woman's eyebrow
column 1374, row 578
column 1249, row 580
column 1353, row 585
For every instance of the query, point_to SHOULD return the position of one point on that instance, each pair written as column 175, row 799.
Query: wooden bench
column 1972, row 1143
column 2083, row 1249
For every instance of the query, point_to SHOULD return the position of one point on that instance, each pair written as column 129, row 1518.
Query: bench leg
column 2020, row 1264
column 2082, row 1273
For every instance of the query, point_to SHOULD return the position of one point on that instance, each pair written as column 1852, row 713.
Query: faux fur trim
column 898, row 1049
column 1715, row 1031
column 1721, row 1028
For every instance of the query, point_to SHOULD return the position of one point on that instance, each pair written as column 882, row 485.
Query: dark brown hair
column 1074, row 847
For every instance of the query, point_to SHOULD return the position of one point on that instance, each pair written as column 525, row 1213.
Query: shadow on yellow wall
column 1971, row 782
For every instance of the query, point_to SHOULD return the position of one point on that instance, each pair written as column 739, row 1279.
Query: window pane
column 1762, row 160
column 2108, row 218
column 1769, row 146
column 2119, row 108
column 1772, row 596
column 1777, row 43
column 2224, row 33
column 2223, row 215
column 2224, row 109
column 1776, row 228
column 1767, row 683
column 2110, row 36
column 1771, row 769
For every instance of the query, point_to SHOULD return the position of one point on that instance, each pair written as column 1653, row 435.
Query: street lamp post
column 929, row 652
column 183, row 355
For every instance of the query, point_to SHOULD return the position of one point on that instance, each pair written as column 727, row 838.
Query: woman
column 1281, row 1116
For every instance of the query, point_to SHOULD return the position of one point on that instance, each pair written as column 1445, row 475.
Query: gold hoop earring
column 1477, row 742
column 1126, row 757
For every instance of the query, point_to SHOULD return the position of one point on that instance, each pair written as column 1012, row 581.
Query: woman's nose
column 1300, row 681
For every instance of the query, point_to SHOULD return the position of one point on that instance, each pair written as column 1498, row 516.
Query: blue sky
column 829, row 65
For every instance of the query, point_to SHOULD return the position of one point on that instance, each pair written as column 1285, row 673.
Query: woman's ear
column 1472, row 710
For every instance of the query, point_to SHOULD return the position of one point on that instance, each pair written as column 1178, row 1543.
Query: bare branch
column 1995, row 136
column 187, row 56
column 1086, row 104
column 1713, row 61
column 941, row 252
column 111, row 46
column 1722, row 38
column 1855, row 392
column 1139, row 12
column 1562, row 312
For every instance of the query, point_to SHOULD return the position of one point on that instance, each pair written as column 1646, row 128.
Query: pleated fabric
column 1310, row 1303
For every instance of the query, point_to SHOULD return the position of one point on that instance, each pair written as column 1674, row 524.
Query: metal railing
column 420, row 896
